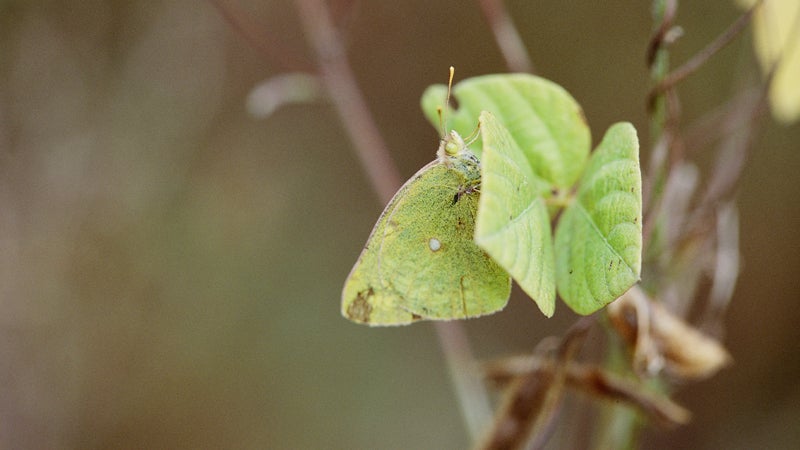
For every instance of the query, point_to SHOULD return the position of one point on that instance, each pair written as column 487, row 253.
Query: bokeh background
column 170, row 266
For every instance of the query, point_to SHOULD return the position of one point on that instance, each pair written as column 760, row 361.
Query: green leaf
column 598, row 241
column 513, row 225
column 543, row 119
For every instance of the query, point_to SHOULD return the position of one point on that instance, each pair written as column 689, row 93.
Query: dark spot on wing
column 415, row 316
column 360, row 309
column 570, row 271
column 456, row 197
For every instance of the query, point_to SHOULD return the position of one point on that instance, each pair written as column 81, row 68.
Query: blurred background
column 170, row 266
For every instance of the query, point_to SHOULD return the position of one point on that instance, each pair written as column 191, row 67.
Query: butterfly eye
column 454, row 144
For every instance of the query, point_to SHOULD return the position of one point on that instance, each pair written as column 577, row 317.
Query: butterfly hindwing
column 365, row 299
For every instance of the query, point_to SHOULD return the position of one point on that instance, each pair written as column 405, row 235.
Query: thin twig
column 726, row 268
column 697, row 61
column 731, row 160
column 670, row 137
column 470, row 390
column 526, row 417
column 662, row 133
column 720, row 122
column 261, row 39
column 351, row 107
column 339, row 81
column 594, row 381
column 508, row 39
column 658, row 39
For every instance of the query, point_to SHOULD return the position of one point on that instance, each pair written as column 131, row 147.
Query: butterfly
column 421, row 260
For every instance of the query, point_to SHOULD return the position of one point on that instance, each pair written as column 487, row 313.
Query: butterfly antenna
column 442, row 110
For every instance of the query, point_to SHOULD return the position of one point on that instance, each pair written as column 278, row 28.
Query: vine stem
column 266, row 43
column 347, row 99
column 619, row 426
column 339, row 81
column 506, row 35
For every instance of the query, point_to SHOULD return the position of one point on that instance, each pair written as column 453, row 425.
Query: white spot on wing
column 434, row 244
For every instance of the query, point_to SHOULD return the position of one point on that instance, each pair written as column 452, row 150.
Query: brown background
column 170, row 267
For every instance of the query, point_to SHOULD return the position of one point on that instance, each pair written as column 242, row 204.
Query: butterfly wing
column 427, row 255
column 365, row 298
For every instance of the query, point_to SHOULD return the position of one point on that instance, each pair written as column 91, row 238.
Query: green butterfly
column 421, row 260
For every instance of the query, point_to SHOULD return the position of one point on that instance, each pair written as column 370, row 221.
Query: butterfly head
column 452, row 145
